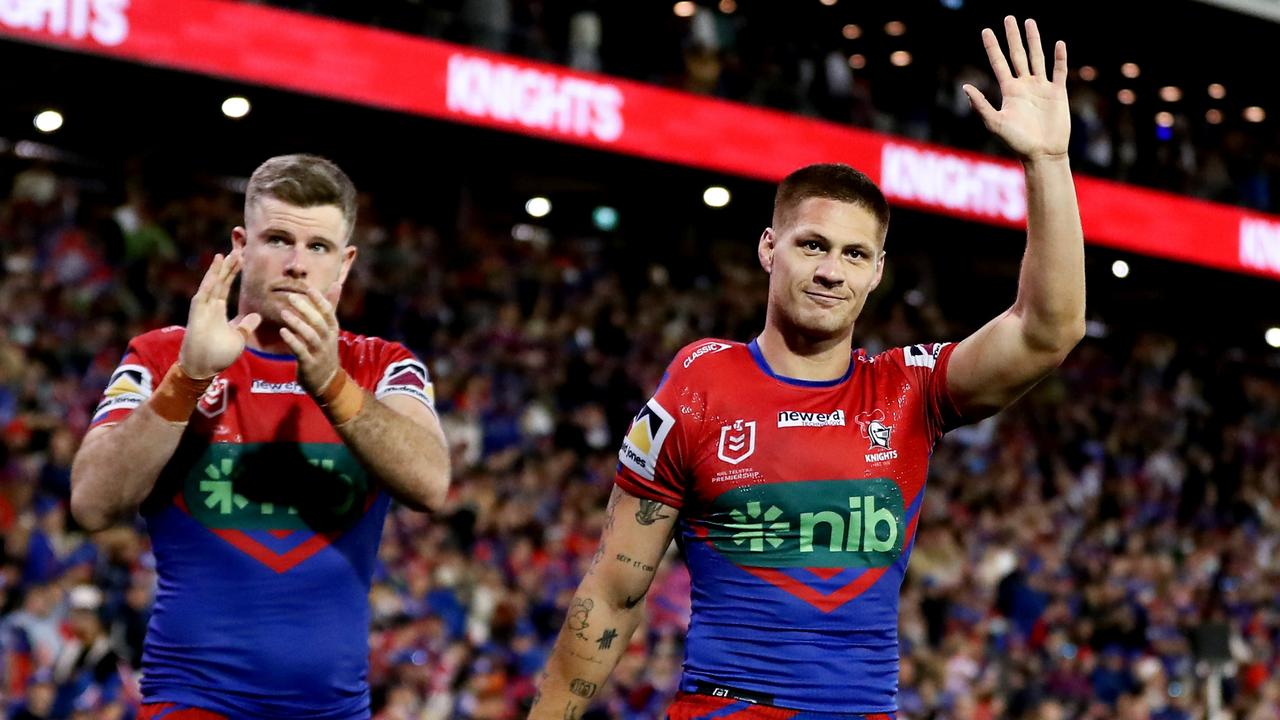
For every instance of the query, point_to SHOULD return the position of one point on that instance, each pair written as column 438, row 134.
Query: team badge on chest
column 737, row 441
column 877, row 433
column 214, row 400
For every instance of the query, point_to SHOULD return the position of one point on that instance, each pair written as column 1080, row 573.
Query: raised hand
column 1033, row 119
column 213, row 342
column 311, row 332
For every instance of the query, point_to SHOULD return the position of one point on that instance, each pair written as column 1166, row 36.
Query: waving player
column 793, row 467
column 263, row 452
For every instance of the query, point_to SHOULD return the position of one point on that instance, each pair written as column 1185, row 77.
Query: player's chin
column 272, row 309
column 825, row 323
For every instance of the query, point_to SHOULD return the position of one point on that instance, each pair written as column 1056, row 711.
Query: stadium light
column 1255, row 114
column 1213, row 116
column 1088, row 73
column 900, row 58
column 605, row 218
column 1130, row 70
column 1170, row 93
column 235, row 107
column 1273, row 337
column 1164, row 119
column 1217, row 91
column 48, row 121
column 828, row 3
column 857, row 61
column 715, row 196
column 538, row 206
column 851, row 32
column 1120, row 269
column 895, row 28
column 1126, row 96
column 728, row 6
column 684, row 8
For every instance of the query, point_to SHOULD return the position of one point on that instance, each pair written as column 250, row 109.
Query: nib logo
column 822, row 526
column 811, row 524
column 219, row 487
column 757, row 533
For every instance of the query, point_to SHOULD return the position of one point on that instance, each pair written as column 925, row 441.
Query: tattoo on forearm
column 579, row 611
column 638, row 564
column 571, row 711
column 584, row 657
column 582, row 688
column 649, row 512
column 595, row 559
column 631, row 602
column 606, row 639
column 614, row 497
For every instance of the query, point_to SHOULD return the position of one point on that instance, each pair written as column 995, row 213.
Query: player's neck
column 796, row 356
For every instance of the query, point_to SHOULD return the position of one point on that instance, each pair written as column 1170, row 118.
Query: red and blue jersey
column 265, row 530
column 798, row 504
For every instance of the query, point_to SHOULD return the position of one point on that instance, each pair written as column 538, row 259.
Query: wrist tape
column 177, row 394
column 341, row 399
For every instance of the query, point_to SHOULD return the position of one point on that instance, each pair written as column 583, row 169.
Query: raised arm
column 607, row 607
column 117, row 465
column 1006, row 357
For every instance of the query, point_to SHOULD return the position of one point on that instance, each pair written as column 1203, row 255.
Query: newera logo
column 103, row 20
column 795, row 418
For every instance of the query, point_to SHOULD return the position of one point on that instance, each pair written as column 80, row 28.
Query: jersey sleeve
column 653, row 460
column 401, row 373
column 130, row 385
column 926, row 364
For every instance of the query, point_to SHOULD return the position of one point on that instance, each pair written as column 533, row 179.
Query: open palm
column 212, row 342
column 1034, row 118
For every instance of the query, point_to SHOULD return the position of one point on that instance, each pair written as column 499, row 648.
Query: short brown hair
column 304, row 181
column 833, row 181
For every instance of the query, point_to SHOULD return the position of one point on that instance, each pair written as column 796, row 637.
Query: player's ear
column 239, row 236
column 768, row 244
column 879, row 271
column 348, row 259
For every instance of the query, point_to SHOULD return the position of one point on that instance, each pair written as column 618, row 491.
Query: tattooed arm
column 607, row 607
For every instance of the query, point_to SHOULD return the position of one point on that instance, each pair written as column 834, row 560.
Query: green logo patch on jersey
column 276, row 486
column 816, row 524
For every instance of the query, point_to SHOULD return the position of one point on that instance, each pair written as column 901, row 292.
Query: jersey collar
column 758, row 356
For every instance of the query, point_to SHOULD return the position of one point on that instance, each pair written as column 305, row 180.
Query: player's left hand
column 312, row 333
column 1034, row 118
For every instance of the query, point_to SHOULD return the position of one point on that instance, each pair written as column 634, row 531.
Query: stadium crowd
column 776, row 55
column 1069, row 547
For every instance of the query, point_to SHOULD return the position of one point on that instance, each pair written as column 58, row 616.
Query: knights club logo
column 874, row 429
column 877, row 432
column 737, row 441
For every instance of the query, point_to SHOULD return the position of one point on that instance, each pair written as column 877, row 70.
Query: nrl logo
column 214, row 400
column 737, row 441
